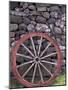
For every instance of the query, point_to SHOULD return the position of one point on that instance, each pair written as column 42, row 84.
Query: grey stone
column 63, row 41
column 56, row 35
column 54, row 14
column 18, row 9
column 46, row 14
column 40, row 19
column 51, row 26
column 51, row 20
column 12, row 34
column 13, row 5
column 32, row 18
column 54, row 8
column 26, row 11
column 42, row 27
column 26, row 20
column 11, row 41
column 22, row 32
column 58, row 30
column 17, row 35
column 64, row 30
column 25, row 5
column 15, row 19
column 22, row 26
column 63, row 18
column 42, row 4
column 51, row 49
column 34, row 13
column 13, row 27
column 32, row 7
column 57, row 23
column 21, row 4
column 31, row 28
column 63, row 9
column 20, row 13
column 58, row 40
column 33, row 22
column 48, row 30
column 41, row 9
column 48, row 9
column 62, row 48
column 60, row 23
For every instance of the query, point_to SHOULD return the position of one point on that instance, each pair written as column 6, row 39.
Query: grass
column 60, row 81
column 15, row 84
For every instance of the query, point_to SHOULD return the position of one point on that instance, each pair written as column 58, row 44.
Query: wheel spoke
column 46, row 69
column 24, row 63
column 49, row 55
column 27, row 49
column 48, row 62
column 34, row 73
column 40, row 73
column 22, row 55
column 40, row 46
column 45, row 49
column 28, row 70
column 33, row 46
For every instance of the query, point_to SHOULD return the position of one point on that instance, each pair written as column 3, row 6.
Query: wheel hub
column 37, row 59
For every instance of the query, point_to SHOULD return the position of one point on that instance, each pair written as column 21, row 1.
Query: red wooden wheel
column 33, row 60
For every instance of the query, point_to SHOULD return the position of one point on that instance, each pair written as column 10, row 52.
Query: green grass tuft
column 60, row 80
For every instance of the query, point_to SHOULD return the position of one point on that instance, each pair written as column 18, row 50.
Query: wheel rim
column 36, row 60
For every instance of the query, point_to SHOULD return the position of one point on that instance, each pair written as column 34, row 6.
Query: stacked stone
column 38, row 17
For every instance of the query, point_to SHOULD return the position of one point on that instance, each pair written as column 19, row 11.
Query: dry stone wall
column 38, row 17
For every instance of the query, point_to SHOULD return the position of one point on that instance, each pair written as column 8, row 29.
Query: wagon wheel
column 33, row 60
